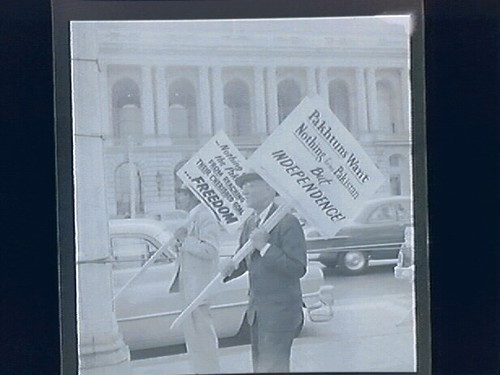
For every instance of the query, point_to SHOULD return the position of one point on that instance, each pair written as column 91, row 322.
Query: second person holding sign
column 197, row 243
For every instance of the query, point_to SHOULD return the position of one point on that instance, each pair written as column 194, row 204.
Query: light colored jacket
column 198, row 260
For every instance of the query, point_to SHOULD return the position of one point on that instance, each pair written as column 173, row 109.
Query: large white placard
column 210, row 174
column 312, row 160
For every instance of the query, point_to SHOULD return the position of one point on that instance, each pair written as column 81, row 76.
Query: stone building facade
column 166, row 88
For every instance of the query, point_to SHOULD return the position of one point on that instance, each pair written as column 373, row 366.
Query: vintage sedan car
column 145, row 310
column 373, row 237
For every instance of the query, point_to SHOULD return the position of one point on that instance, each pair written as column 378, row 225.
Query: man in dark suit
column 275, row 268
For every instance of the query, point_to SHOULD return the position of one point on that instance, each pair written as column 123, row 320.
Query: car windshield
column 133, row 250
column 390, row 212
column 403, row 211
column 383, row 214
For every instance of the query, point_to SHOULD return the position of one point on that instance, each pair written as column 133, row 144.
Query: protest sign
column 316, row 166
column 312, row 160
column 210, row 174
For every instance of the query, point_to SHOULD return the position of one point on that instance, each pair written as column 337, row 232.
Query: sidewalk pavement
column 362, row 337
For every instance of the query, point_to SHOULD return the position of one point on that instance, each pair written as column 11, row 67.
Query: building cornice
column 347, row 57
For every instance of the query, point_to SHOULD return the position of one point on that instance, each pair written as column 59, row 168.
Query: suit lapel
column 244, row 232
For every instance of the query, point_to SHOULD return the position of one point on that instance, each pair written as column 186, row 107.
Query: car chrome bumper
column 319, row 305
column 406, row 273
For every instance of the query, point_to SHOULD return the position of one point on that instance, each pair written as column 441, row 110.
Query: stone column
column 147, row 102
column 312, row 88
column 372, row 99
column 271, row 98
column 323, row 83
column 406, row 100
column 105, row 96
column 162, row 100
column 217, row 99
column 260, row 102
column 361, row 104
column 100, row 345
column 204, row 106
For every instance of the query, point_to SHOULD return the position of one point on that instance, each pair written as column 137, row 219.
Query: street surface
column 378, row 282
column 372, row 331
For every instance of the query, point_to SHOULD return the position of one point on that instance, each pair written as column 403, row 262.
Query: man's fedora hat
column 247, row 177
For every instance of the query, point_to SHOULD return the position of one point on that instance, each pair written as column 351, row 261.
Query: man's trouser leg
column 271, row 350
column 201, row 341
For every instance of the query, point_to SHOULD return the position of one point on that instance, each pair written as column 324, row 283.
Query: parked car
column 373, row 237
column 145, row 310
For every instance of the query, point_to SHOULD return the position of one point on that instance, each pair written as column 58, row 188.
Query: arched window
column 386, row 98
column 289, row 96
column 396, row 173
column 395, row 181
column 126, row 103
column 339, row 101
column 182, row 109
column 228, row 117
column 237, row 108
column 128, row 190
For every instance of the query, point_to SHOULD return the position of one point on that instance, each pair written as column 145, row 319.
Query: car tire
column 353, row 262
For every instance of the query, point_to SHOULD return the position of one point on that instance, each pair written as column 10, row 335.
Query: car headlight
column 322, row 311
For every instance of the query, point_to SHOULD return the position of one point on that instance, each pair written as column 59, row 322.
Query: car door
column 381, row 232
column 145, row 309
